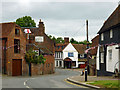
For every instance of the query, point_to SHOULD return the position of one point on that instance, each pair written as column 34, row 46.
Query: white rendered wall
column 97, row 59
column 110, row 64
column 70, row 48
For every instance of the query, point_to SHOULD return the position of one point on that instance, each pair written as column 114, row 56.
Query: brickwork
column 10, row 55
column 47, row 46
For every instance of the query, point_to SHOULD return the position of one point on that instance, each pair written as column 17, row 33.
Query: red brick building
column 13, row 49
column 36, row 40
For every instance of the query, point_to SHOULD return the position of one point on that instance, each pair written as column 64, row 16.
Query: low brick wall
column 37, row 69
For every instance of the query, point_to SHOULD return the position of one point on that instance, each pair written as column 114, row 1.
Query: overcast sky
column 61, row 18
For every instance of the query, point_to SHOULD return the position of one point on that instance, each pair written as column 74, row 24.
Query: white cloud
column 61, row 19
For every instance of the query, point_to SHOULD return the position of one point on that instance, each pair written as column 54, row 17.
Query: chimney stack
column 41, row 26
column 66, row 39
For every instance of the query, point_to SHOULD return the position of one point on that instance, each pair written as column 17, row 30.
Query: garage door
column 16, row 67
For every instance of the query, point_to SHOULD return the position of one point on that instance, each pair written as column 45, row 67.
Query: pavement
column 80, row 80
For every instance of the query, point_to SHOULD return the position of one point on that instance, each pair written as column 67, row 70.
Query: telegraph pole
column 87, row 68
column 87, row 46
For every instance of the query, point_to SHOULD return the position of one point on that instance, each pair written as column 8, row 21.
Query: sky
column 62, row 18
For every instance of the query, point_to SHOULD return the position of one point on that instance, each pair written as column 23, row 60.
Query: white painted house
column 69, row 55
column 74, row 56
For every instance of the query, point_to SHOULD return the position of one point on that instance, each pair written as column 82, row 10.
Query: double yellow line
column 74, row 84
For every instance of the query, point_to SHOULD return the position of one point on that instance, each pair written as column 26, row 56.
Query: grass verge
column 107, row 83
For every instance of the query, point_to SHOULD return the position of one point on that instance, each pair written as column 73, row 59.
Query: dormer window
column 111, row 33
column 17, row 32
column 102, row 37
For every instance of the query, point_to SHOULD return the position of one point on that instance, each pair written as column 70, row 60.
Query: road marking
column 74, row 83
column 24, row 83
column 27, row 87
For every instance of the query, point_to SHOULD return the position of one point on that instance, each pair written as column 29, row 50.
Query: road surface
column 56, row 80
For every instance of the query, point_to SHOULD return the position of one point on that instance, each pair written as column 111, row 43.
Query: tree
column 59, row 40
column 56, row 40
column 26, row 21
column 73, row 41
column 31, row 57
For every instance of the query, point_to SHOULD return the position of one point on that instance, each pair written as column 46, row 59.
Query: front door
column 16, row 67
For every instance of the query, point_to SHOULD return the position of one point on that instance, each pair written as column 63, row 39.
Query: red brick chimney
column 66, row 39
column 41, row 26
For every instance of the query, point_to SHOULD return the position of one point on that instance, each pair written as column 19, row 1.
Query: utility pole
column 87, row 32
column 87, row 46
column 87, row 68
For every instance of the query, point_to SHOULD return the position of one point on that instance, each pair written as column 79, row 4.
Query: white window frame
column 110, row 54
column 111, row 33
column 37, row 51
column 102, row 37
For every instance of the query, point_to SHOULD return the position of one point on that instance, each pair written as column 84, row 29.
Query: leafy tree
column 26, row 21
column 73, row 41
column 31, row 57
column 59, row 40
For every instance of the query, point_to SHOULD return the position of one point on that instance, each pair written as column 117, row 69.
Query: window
column 62, row 47
column 78, row 55
column 17, row 32
column 111, row 33
column 48, row 64
column 58, row 47
column 70, row 54
column 102, row 37
column 59, row 55
column 16, row 46
column 102, row 57
column 55, row 54
column 56, row 63
column 37, row 52
column 110, row 54
column 82, row 55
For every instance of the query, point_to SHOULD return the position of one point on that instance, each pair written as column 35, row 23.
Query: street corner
column 85, row 84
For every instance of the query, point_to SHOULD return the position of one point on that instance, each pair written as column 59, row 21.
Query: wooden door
column 16, row 67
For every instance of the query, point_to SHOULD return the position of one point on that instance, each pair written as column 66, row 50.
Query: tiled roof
column 95, row 42
column 59, row 47
column 43, row 49
column 80, row 48
column 113, row 20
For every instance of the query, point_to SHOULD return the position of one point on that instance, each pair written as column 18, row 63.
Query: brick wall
column 10, row 55
column 37, row 69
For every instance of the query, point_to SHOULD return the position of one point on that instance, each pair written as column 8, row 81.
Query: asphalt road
column 56, row 80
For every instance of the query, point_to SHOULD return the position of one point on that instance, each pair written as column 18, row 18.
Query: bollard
column 85, row 74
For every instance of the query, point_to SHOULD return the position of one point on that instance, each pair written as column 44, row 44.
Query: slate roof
column 114, row 19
